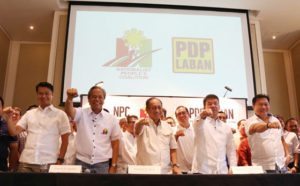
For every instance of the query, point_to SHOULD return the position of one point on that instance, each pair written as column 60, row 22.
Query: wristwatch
column 114, row 165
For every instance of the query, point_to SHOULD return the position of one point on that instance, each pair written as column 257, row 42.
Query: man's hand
column 206, row 113
column 293, row 170
column 144, row 121
column 112, row 170
column 178, row 134
column 72, row 93
column 176, row 170
column 8, row 113
column 274, row 125
column 287, row 160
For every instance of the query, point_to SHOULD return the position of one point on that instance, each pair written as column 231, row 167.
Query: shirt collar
column 90, row 111
column 50, row 107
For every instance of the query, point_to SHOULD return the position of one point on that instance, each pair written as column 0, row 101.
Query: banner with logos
column 121, row 106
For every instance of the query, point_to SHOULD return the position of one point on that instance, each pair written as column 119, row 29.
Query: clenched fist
column 72, row 93
column 8, row 112
column 206, row 113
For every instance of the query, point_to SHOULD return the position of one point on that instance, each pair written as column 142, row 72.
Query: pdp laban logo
column 193, row 55
column 133, row 55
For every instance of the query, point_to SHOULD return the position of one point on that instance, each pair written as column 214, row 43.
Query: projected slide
column 158, row 52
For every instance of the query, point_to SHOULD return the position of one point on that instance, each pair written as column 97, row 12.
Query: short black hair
column 96, row 87
column 290, row 119
column 44, row 84
column 2, row 102
column 150, row 99
column 260, row 96
column 181, row 106
column 209, row 96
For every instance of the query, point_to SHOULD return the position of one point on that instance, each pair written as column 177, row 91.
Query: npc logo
column 193, row 55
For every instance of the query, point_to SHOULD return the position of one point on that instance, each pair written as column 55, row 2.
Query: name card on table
column 65, row 169
column 144, row 169
column 247, row 170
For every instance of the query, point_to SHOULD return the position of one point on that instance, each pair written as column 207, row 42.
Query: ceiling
column 279, row 17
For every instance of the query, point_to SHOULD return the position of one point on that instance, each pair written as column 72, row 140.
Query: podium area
column 49, row 179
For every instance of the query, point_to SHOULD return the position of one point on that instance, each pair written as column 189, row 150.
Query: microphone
column 228, row 88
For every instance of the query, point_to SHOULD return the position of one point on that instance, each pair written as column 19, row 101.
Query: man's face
column 182, row 115
column 212, row 104
column 154, row 110
column 96, row 99
column 123, row 123
column 130, row 124
column 44, row 96
column 222, row 117
column 261, row 107
column 16, row 116
column 292, row 126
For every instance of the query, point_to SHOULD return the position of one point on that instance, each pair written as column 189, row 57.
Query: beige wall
column 32, row 68
column 295, row 53
column 277, row 83
column 34, row 61
column 4, row 48
column 59, row 59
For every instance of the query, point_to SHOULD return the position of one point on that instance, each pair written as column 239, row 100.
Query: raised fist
column 72, row 93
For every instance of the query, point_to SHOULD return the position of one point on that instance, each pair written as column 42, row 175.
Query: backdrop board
column 121, row 106
column 158, row 50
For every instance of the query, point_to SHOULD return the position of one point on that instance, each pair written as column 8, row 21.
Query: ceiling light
column 31, row 27
column 273, row 36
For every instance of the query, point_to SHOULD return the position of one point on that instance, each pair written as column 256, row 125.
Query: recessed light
column 31, row 27
column 273, row 36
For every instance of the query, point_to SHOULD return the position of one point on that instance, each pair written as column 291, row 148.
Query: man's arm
column 13, row 156
column 13, row 129
column 63, row 148
column 262, row 127
column 140, row 125
column 115, row 153
column 286, row 151
column 231, row 150
column 175, row 167
column 69, row 108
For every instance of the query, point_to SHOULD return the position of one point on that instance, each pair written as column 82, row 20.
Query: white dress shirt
column 154, row 144
column 127, row 152
column 44, row 129
column 266, row 147
column 94, row 135
column 293, row 143
column 185, row 150
column 70, row 155
column 213, row 143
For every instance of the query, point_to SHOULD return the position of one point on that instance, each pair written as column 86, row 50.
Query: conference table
column 65, row 179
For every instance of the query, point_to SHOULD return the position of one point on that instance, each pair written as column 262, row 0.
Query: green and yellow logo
column 132, row 50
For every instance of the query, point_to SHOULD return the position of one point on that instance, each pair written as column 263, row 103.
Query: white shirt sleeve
column 296, row 144
column 116, row 131
column 173, row 143
column 197, row 124
column 64, row 124
column 78, row 114
column 23, row 122
column 231, row 150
